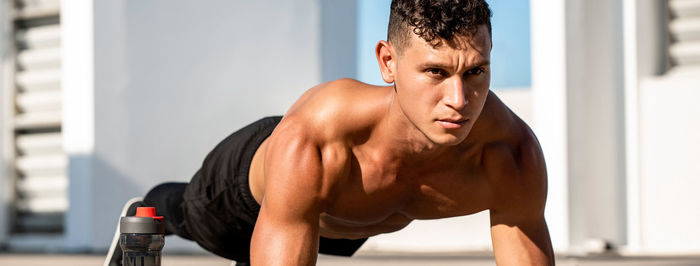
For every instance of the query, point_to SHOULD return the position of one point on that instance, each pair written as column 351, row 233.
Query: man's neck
column 399, row 140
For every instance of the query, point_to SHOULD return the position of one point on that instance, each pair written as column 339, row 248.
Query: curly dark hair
column 436, row 20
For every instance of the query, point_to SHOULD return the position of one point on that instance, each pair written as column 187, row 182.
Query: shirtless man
column 350, row 160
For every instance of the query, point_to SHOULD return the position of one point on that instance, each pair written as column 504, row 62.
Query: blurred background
column 102, row 100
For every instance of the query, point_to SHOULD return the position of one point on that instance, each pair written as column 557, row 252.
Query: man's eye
column 436, row 72
column 476, row 71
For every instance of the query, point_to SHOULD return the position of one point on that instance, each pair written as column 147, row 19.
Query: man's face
column 442, row 90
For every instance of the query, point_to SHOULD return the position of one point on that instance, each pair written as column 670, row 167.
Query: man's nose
column 455, row 96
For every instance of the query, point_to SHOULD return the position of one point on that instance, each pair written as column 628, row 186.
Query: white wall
column 466, row 233
column 519, row 100
column 172, row 79
column 669, row 166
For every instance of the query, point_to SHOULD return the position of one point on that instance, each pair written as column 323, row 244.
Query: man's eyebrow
column 484, row 62
column 435, row 65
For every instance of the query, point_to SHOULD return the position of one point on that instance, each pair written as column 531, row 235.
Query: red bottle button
column 147, row 212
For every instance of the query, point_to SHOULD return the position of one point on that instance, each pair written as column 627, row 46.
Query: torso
column 377, row 197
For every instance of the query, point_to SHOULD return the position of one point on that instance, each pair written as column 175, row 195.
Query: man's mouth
column 452, row 123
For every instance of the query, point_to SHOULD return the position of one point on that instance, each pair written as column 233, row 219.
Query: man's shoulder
column 512, row 156
column 326, row 118
column 334, row 109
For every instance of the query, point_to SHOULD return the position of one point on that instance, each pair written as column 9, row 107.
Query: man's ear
column 386, row 57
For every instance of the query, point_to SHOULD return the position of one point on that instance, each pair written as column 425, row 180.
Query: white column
column 549, row 109
column 78, row 117
column 578, row 91
column 632, row 125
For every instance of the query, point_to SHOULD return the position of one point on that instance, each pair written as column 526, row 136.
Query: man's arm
column 287, row 229
column 518, row 229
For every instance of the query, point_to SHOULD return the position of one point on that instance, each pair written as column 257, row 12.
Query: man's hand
column 287, row 229
column 518, row 228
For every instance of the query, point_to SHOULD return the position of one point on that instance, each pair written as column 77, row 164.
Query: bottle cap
column 144, row 222
column 147, row 212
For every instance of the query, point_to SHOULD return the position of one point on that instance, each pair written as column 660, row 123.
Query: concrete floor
column 361, row 259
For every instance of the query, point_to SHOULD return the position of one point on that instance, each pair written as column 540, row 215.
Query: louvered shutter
column 685, row 32
column 40, row 177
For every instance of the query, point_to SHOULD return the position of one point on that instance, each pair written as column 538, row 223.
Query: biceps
column 286, row 231
column 293, row 176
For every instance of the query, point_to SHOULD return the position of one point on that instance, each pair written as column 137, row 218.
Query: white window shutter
column 685, row 32
column 40, row 180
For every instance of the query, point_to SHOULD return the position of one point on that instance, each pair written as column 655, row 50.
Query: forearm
column 284, row 244
column 522, row 245
column 273, row 251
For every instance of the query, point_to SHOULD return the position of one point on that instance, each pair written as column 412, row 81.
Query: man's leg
column 167, row 198
column 217, row 209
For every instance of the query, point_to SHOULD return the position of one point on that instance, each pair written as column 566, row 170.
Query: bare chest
column 374, row 201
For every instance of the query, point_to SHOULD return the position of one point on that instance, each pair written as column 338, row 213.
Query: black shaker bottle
column 142, row 238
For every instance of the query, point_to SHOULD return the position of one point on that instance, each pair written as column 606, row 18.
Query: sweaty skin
column 352, row 160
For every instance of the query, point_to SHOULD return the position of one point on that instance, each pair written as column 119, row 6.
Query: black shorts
column 218, row 208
